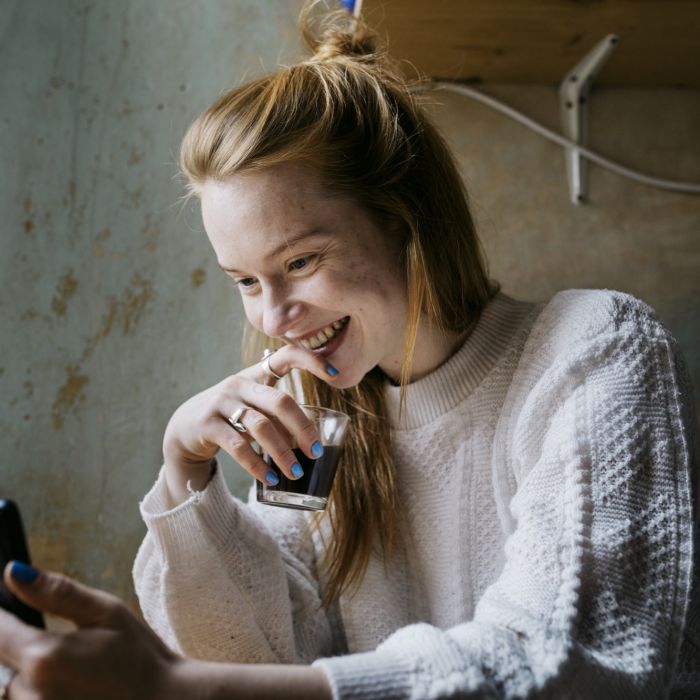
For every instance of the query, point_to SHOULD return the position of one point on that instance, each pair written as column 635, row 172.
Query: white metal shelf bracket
column 574, row 92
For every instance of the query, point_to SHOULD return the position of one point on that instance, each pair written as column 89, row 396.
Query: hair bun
column 337, row 34
column 335, row 43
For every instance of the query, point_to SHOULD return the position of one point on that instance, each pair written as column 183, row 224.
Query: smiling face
column 312, row 268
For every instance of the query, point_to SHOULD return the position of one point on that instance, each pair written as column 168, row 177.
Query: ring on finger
column 266, row 364
column 235, row 420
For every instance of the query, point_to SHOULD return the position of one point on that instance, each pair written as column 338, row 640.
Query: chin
column 348, row 382
column 348, row 379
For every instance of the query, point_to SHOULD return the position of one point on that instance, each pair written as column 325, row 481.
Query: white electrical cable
column 688, row 187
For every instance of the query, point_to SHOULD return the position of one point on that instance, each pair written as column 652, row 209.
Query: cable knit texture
column 546, row 472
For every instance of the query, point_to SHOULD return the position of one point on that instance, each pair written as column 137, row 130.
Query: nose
column 280, row 312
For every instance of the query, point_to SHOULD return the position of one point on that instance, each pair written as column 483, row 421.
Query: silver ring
column 235, row 420
column 266, row 364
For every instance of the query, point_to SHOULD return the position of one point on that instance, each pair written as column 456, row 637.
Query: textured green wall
column 113, row 311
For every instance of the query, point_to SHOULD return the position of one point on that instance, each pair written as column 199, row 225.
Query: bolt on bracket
column 574, row 91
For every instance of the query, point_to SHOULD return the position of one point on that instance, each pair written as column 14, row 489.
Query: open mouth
column 325, row 336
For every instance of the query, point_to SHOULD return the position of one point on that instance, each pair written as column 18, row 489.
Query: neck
column 433, row 348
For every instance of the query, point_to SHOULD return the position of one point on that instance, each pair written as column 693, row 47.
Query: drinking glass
column 311, row 491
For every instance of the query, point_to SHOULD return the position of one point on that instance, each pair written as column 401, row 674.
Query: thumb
column 64, row 597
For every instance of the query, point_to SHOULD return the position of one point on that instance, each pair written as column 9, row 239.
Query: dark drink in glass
column 312, row 490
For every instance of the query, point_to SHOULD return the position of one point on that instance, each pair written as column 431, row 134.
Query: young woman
column 513, row 512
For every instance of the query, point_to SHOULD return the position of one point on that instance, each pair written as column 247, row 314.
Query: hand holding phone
column 109, row 653
column 13, row 547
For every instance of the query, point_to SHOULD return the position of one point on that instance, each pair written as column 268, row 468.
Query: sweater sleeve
column 592, row 598
column 219, row 582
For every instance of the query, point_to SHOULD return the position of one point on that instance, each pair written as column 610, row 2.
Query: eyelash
column 305, row 258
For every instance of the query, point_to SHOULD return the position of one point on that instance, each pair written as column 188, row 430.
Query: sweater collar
column 447, row 386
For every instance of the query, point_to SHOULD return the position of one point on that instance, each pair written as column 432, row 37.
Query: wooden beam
column 538, row 41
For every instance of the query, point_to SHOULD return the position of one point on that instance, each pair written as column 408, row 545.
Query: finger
column 239, row 447
column 264, row 432
column 286, row 435
column 15, row 636
column 228, row 404
column 284, row 409
column 282, row 430
column 290, row 357
column 59, row 595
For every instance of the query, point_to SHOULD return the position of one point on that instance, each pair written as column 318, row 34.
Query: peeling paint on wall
column 199, row 274
column 29, row 315
column 151, row 234
column 125, row 311
column 68, row 396
column 98, row 249
column 28, row 210
column 65, row 289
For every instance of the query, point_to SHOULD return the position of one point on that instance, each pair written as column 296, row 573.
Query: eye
column 246, row 282
column 300, row 263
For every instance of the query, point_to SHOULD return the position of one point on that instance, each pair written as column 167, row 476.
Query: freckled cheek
column 376, row 288
column 359, row 296
column 358, row 278
column 323, row 292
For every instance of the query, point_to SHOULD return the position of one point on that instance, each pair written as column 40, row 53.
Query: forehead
column 254, row 212
column 258, row 195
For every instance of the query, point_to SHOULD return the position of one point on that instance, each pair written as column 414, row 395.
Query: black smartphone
column 13, row 546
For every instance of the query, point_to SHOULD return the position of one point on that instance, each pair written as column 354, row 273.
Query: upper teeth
column 323, row 336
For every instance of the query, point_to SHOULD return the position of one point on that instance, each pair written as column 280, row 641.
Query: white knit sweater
column 545, row 469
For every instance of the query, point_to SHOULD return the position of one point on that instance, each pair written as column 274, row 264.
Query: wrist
column 184, row 678
column 183, row 478
column 205, row 680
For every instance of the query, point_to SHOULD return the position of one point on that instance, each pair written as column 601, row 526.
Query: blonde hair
column 348, row 114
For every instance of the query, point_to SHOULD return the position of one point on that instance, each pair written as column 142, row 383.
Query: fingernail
column 316, row 449
column 297, row 470
column 23, row 572
column 332, row 370
column 272, row 478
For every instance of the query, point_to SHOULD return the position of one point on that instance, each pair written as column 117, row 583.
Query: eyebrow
column 303, row 235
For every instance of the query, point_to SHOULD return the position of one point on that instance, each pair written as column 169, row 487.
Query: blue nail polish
column 332, row 370
column 297, row 470
column 272, row 478
column 23, row 572
column 316, row 449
